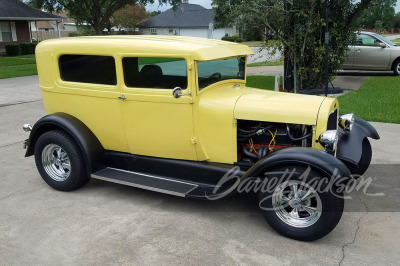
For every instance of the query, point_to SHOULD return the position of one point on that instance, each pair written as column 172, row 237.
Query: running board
column 145, row 181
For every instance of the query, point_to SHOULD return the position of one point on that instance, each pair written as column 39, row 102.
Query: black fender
column 92, row 151
column 350, row 143
column 325, row 164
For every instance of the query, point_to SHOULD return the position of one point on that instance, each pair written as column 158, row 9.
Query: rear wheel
column 302, row 208
column 59, row 161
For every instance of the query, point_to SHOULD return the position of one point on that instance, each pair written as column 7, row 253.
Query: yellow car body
column 201, row 126
column 174, row 115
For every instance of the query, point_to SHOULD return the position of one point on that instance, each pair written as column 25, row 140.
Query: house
column 15, row 18
column 186, row 20
column 67, row 24
column 43, row 30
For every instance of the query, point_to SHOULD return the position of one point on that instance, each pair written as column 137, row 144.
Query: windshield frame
column 380, row 37
column 233, row 80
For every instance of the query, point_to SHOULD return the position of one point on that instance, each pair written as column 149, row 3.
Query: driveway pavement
column 105, row 223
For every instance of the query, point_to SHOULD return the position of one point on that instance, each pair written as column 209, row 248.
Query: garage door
column 202, row 33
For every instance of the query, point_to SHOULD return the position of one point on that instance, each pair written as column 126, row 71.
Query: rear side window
column 88, row 69
column 155, row 73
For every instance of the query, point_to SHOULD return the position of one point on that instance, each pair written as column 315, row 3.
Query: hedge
column 25, row 47
column 13, row 49
column 234, row 38
column 22, row 48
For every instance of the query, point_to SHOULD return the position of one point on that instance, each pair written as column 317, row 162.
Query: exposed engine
column 257, row 139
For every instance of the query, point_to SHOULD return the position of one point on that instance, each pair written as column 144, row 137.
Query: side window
column 88, row 69
column 366, row 40
column 156, row 73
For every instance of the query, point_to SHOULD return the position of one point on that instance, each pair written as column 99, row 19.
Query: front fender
column 350, row 143
column 320, row 161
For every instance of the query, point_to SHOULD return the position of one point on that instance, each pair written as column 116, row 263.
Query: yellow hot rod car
column 174, row 115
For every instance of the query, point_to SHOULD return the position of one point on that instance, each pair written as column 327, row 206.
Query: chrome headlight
column 329, row 139
column 346, row 121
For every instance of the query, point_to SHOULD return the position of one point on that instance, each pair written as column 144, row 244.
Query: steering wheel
column 216, row 75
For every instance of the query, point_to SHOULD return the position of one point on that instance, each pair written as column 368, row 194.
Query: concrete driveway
column 105, row 223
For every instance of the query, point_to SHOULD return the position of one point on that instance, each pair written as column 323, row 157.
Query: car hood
column 263, row 105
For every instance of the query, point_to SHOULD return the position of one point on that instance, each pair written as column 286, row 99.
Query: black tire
column 47, row 145
column 396, row 67
column 331, row 201
column 365, row 160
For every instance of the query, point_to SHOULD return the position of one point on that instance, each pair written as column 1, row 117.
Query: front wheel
column 59, row 161
column 396, row 67
column 303, row 207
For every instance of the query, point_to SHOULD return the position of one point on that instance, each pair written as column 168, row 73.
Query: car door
column 156, row 123
column 348, row 64
column 369, row 55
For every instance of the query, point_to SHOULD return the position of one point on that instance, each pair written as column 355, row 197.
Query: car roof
column 197, row 48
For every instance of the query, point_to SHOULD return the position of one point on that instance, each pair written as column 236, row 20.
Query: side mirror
column 177, row 93
column 382, row 44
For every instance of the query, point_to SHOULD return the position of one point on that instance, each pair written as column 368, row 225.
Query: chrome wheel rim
column 297, row 204
column 398, row 68
column 56, row 162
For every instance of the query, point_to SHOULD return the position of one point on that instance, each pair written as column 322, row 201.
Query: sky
column 207, row 4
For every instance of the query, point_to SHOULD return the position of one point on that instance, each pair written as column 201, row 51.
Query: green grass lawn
column 378, row 100
column 268, row 63
column 261, row 82
column 397, row 41
column 19, row 66
column 18, row 71
column 254, row 43
column 26, row 56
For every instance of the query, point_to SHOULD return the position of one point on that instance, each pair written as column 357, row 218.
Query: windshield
column 210, row 72
column 384, row 39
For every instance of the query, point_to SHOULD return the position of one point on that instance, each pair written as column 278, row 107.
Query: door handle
column 122, row 97
column 358, row 50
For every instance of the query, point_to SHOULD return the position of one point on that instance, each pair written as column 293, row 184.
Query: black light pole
column 326, row 48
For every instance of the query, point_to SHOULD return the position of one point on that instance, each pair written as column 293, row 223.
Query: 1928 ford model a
column 174, row 115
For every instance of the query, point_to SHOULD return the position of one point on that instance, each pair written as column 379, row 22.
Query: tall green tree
column 381, row 11
column 396, row 22
column 95, row 12
column 300, row 27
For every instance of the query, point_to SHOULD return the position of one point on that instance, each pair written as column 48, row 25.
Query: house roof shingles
column 17, row 10
column 185, row 16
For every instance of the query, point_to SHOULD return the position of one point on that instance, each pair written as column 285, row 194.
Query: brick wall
column 22, row 29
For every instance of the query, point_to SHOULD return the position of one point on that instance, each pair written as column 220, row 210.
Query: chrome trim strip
column 143, row 186
column 152, row 176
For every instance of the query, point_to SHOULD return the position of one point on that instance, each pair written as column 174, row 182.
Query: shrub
column 234, row 38
column 32, row 47
column 13, row 49
column 74, row 34
column 25, row 47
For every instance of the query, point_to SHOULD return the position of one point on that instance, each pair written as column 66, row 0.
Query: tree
column 155, row 13
column 299, row 27
column 396, row 22
column 129, row 16
column 95, row 12
column 379, row 10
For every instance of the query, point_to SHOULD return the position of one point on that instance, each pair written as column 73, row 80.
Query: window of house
column 171, row 30
column 88, row 69
column 156, row 73
column 6, row 32
column 153, row 31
